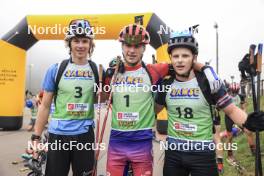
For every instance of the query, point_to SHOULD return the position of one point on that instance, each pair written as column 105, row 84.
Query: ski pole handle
column 251, row 53
column 259, row 58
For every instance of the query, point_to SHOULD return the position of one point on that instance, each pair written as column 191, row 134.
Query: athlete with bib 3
column 71, row 85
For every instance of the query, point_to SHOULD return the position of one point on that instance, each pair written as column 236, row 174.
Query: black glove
column 255, row 121
column 112, row 64
column 245, row 68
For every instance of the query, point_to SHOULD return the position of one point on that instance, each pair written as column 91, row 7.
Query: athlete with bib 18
column 188, row 100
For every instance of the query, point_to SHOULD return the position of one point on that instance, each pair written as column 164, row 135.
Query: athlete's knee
column 144, row 169
column 143, row 172
column 147, row 173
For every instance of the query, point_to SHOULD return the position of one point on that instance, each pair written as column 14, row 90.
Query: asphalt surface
column 13, row 144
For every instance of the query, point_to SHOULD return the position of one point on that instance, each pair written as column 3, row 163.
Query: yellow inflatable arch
column 32, row 28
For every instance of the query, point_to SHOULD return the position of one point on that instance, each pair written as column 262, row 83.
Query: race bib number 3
column 77, row 107
column 184, row 127
column 127, row 116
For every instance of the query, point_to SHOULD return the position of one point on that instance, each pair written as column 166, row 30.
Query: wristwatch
column 35, row 137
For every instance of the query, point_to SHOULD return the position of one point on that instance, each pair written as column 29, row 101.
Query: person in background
column 36, row 101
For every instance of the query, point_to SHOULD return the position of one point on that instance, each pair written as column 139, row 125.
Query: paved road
column 13, row 144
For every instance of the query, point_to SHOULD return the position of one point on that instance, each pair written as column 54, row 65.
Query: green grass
column 243, row 154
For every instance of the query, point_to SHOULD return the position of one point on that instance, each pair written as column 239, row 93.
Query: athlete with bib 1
column 133, row 105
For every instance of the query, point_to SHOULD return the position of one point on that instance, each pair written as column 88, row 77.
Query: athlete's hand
column 33, row 148
column 255, row 121
column 214, row 81
column 197, row 66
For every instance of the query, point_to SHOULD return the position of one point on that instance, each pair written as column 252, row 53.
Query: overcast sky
column 241, row 22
